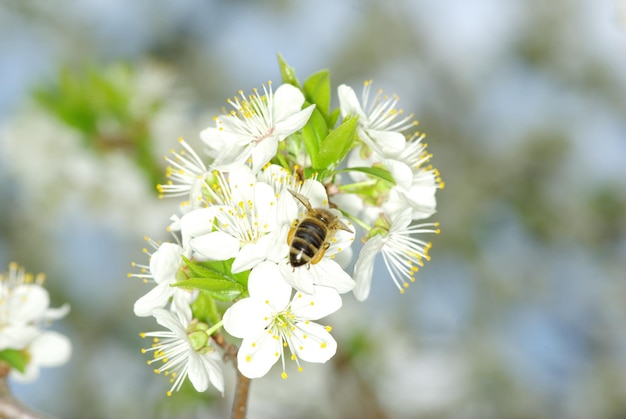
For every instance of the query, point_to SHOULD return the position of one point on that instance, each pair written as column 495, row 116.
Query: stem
column 242, row 387
column 10, row 407
column 355, row 220
column 349, row 187
column 240, row 402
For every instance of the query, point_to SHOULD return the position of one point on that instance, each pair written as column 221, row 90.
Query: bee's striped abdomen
column 307, row 241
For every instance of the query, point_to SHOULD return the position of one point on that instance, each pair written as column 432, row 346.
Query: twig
column 242, row 389
column 10, row 407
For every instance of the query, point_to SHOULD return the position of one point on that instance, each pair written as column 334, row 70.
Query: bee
column 310, row 237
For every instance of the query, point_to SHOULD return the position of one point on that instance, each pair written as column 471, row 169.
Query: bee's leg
column 319, row 254
column 292, row 231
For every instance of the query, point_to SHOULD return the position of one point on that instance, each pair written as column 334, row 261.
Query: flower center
column 198, row 337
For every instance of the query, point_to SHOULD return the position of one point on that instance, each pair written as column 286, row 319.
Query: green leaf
column 337, row 144
column 287, row 73
column 333, row 117
column 216, row 278
column 313, row 133
column 219, row 269
column 220, row 289
column 16, row 359
column 317, row 90
column 377, row 172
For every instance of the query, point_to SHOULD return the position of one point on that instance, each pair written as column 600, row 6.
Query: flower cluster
column 263, row 245
column 24, row 311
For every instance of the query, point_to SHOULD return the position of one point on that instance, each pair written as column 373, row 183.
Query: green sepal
column 377, row 172
column 317, row 90
column 16, row 359
column 336, row 144
column 287, row 73
column 313, row 133
column 216, row 278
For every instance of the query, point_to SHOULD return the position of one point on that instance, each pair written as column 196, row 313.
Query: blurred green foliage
column 105, row 106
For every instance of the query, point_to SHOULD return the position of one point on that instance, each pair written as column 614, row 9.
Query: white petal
column 313, row 343
column 287, row 101
column 295, row 122
column 321, row 303
column 197, row 223
column 215, row 246
column 266, row 283
column 401, row 173
column 390, row 143
column 254, row 253
column 265, row 205
column 17, row 337
column 364, row 267
column 344, row 258
column 197, row 373
column 241, row 181
column 164, row 263
column 27, row 303
column 256, row 356
column 330, row 274
column 212, row 364
column 349, row 103
column 56, row 313
column 301, row 278
column 209, row 136
column 232, row 157
column 51, row 349
column 170, row 321
column 263, row 152
column 247, row 317
column 157, row 297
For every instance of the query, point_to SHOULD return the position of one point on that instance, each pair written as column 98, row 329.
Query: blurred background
column 520, row 314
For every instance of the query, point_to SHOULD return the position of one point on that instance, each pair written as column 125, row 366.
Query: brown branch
column 10, row 407
column 242, row 388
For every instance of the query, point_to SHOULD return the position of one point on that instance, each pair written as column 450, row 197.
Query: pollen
column 323, row 345
column 284, row 375
column 248, row 358
column 328, row 328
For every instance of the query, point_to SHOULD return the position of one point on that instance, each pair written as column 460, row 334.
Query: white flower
column 164, row 265
column 254, row 127
column 186, row 175
column 185, row 351
column 403, row 253
column 246, row 225
column 24, row 310
column 269, row 320
column 47, row 349
column 380, row 124
column 24, row 307
column 416, row 182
